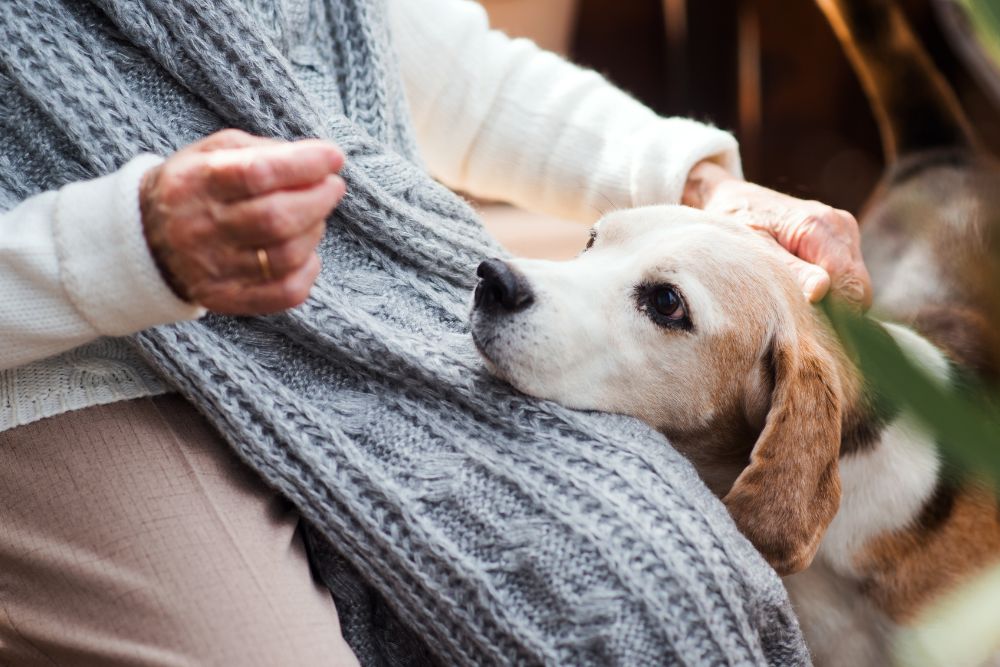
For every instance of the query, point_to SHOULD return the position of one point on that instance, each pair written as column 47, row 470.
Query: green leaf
column 965, row 424
column 984, row 17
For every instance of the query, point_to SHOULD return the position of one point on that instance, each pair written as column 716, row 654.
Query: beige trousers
column 131, row 535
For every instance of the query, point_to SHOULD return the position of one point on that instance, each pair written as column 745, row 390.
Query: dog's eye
column 668, row 303
column 664, row 305
column 590, row 241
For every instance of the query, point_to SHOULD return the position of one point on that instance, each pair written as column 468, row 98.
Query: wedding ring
column 265, row 265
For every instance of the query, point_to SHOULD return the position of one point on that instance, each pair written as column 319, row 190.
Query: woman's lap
column 130, row 534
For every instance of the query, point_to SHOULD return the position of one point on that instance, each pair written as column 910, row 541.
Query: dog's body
column 694, row 325
column 929, row 238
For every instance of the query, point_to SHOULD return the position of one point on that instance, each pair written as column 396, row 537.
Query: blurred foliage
column 984, row 17
column 960, row 630
column 964, row 420
column 963, row 417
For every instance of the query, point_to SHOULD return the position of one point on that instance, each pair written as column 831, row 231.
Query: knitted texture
column 454, row 520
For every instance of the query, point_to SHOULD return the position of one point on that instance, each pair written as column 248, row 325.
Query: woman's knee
column 131, row 534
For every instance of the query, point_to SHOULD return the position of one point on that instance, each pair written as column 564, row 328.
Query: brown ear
column 785, row 499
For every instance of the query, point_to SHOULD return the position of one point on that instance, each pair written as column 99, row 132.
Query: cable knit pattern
column 455, row 521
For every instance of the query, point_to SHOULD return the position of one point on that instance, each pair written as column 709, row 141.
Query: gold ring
column 265, row 264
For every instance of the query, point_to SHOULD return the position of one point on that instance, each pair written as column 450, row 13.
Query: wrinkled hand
column 209, row 208
column 824, row 244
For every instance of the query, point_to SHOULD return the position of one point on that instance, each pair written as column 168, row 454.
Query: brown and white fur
column 748, row 382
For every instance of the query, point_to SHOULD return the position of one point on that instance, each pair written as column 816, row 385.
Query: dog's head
column 694, row 325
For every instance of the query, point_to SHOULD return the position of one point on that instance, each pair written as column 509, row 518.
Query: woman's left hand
column 824, row 243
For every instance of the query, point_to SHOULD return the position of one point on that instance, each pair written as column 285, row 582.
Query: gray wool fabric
column 455, row 521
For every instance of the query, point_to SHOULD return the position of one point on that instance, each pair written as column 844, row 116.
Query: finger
column 827, row 239
column 839, row 254
column 853, row 286
column 230, row 138
column 280, row 216
column 282, row 259
column 242, row 173
column 813, row 280
column 236, row 298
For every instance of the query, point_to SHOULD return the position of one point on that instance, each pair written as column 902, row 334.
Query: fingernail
column 813, row 283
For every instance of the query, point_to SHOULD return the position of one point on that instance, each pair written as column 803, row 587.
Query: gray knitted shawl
column 454, row 520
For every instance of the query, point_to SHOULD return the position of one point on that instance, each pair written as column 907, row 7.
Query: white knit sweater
column 495, row 117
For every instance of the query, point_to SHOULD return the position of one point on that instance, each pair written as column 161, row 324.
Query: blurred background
column 770, row 71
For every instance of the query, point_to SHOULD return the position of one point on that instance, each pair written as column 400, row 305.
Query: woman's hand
column 211, row 208
column 823, row 242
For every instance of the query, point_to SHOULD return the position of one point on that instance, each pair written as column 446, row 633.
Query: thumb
column 813, row 280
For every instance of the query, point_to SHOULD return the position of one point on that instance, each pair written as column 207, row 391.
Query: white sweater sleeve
column 74, row 266
column 500, row 118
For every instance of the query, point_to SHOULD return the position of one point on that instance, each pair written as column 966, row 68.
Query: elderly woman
column 201, row 366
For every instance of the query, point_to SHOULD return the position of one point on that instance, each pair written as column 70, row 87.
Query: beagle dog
column 694, row 324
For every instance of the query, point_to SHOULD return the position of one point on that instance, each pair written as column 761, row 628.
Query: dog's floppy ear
column 786, row 497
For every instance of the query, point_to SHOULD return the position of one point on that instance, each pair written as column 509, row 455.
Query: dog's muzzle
column 501, row 289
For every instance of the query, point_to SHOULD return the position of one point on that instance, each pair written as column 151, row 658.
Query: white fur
column 841, row 626
column 586, row 344
column 908, row 280
column 886, row 487
column 883, row 489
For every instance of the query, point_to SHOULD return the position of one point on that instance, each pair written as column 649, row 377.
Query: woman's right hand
column 823, row 244
column 211, row 208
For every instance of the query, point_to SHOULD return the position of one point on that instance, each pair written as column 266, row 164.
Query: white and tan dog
column 694, row 324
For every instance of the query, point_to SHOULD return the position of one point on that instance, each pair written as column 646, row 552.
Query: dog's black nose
column 501, row 287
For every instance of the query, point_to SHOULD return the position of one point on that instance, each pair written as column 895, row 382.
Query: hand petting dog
column 823, row 243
